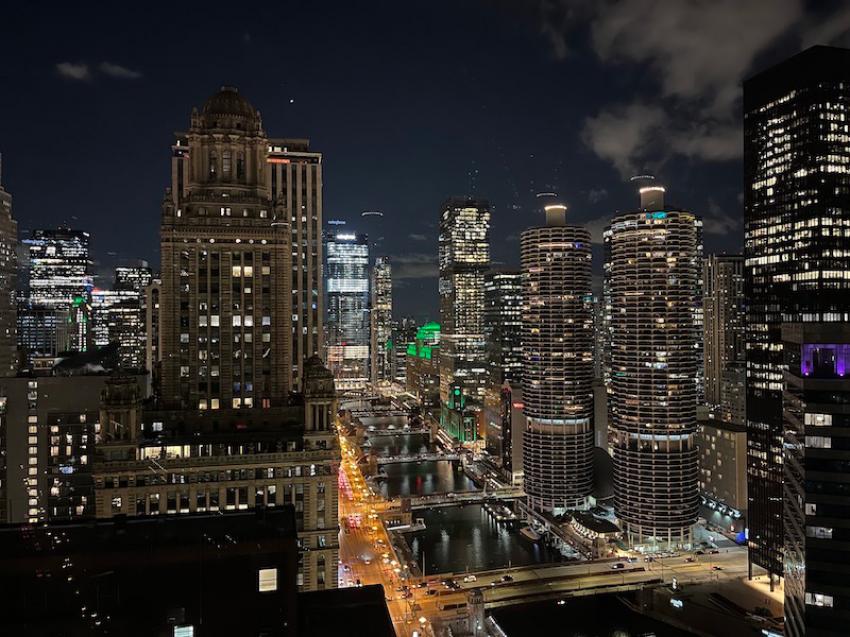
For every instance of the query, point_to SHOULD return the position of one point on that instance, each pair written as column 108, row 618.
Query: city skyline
column 574, row 147
column 530, row 318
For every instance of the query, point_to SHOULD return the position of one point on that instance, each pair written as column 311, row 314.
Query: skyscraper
column 54, row 316
column 723, row 335
column 721, row 434
column 503, row 325
column 464, row 257
column 653, row 275
column 797, row 215
column 118, row 315
column 226, row 311
column 817, row 455
column 382, row 320
column 8, row 284
column 404, row 333
column 295, row 176
column 557, row 338
column 348, row 301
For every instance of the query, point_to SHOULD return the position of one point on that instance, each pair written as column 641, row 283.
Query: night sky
column 410, row 102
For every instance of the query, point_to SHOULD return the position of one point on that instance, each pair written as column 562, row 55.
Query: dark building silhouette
column 797, row 210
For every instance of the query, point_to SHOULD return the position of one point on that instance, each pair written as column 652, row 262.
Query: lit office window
column 267, row 580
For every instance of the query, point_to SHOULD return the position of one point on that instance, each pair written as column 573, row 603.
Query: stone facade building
column 154, row 462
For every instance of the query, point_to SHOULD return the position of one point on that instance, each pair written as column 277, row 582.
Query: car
column 690, row 559
column 507, row 578
column 618, row 566
column 699, row 552
column 631, row 560
column 470, row 578
column 357, row 582
column 432, row 591
column 716, row 568
column 346, row 567
column 714, row 551
column 649, row 558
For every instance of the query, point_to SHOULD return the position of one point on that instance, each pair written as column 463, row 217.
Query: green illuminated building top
column 427, row 337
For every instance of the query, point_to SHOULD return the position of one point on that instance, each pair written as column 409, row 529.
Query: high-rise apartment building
column 797, row 219
column 503, row 325
column 815, row 491
column 464, row 257
column 653, row 276
column 8, row 284
column 348, row 303
column 295, row 185
column 721, row 432
column 55, row 314
column 382, row 320
column 557, row 373
column 723, row 331
column 225, row 306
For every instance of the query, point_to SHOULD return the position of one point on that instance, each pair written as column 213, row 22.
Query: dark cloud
column 699, row 49
column 719, row 222
column 597, row 194
column 415, row 265
column 74, row 71
column 118, row 71
column 80, row 71
column 697, row 53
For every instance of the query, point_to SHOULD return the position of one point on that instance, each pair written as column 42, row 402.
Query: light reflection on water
column 424, row 478
column 457, row 539
column 400, row 445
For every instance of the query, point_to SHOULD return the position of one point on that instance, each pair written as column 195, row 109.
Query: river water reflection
column 424, row 478
column 401, row 444
column 461, row 538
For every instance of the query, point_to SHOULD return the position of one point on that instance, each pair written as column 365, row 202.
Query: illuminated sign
column 278, row 160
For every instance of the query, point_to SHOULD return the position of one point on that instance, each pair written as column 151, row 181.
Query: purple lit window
column 823, row 359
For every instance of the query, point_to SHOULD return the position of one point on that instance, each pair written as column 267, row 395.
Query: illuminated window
column 267, row 580
column 819, row 442
column 819, row 599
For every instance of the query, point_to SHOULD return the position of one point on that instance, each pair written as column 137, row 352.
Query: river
column 461, row 538
column 424, row 478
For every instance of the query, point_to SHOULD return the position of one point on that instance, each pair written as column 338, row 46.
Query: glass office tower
column 797, row 221
column 464, row 257
column 348, row 305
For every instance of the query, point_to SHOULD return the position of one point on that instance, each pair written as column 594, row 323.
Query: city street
column 366, row 553
column 367, row 557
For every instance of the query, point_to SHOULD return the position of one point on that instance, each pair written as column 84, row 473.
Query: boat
column 530, row 534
